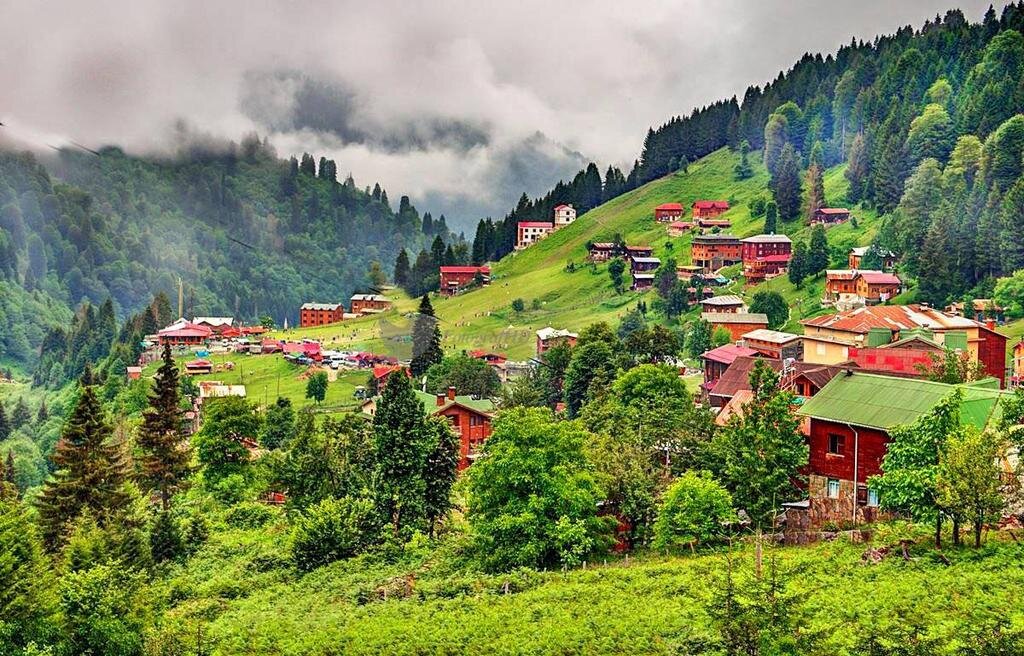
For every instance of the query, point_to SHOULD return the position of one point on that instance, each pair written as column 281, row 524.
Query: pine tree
column 937, row 279
column 786, row 183
column 43, row 413
column 165, row 455
column 437, row 251
column 771, row 217
column 815, row 192
column 426, row 339
column 5, row 424
column 744, row 170
column 401, row 443
column 28, row 602
column 401, row 276
column 90, row 469
column 20, row 415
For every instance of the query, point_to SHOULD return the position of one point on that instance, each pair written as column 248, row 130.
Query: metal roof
column 735, row 317
column 883, row 401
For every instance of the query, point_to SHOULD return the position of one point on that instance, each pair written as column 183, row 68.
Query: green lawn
column 267, row 376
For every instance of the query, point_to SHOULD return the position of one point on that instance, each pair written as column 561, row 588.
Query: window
column 833, row 488
column 820, row 348
column 836, row 444
column 872, row 498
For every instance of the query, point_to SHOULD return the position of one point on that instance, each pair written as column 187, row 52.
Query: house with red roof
column 737, row 323
column 530, row 232
column 456, row 278
column 564, row 215
column 830, row 215
column 765, row 256
column 184, row 333
column 679, row 228
column 717, row 360
column 667, row 212
column 310, row 350
column 709, row 209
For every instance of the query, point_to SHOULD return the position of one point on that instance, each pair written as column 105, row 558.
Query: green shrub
column 694, row 511
column 251, row 514
column 332, row 530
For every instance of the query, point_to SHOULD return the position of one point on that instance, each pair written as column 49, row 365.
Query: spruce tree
column 28, row 600
column 440, row 471
column 5, row 424
column 43, row 413
column 815, row 192
column 426, row 339
column 798, row 264
column 165, row 454
column 744, row 170
column 937, row 279
column 90, row 468
column 817, row 251
column 401, row 443
column 771, row 217
column 785, row 183
column 858, row 169
column 401, row 276
column 20, row 415
column 437, row 251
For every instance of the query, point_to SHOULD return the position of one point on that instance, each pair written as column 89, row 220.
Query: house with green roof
column 848, row 424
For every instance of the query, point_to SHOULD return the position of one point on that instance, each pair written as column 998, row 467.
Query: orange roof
column 709, row 204
column 892, row 317
column 670, row 206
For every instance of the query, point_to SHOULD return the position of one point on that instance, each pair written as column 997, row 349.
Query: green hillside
column 572, row 299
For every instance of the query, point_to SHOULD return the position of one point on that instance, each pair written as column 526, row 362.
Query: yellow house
column 825, row 349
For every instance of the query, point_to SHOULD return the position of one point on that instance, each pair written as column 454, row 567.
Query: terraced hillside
column 571, row 293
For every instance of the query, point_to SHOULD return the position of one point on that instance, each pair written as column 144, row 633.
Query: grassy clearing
column 267, row 376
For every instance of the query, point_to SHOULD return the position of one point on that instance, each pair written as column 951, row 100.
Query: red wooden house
column 830, row 215
column 320, row 314
column 712, row 252
column 667, row 212
column 455, row 278
column 184, row 333
column 470, row 420
column 369, row 304
column 709, row 209
column 764, row 256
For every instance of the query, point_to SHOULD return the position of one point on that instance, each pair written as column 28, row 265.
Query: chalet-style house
column 774, row 344
column 184, row 333
column 727, row 303
column 456, row 278
column 679, row 228
column 847, row 288
column 601, row 251
column 530, row 232
column 548, row 338
column 638, row 251
column 668, row 212
column 737, row 323
column 721, row 224
column 643, row 264
column 217, row 324
column 470, row 419
column 848, row 437
column 876, row 325
column 564, row 215
column 765, row 256
column 717, row 361
column 830, row 215
column 320, row 314
column 642, row 281
column 857, row 254
column 804, row 380
column 709, row 209
column 712, row 252
column 198, row 367
column 369, row 304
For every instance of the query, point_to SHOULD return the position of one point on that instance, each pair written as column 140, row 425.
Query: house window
column 836, row 444
column 833, row 488
column 872, row 498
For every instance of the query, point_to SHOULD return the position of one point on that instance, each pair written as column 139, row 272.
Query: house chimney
column 440, row 399
column 451, row 393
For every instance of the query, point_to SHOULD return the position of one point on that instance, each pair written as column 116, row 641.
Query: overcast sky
column 461, row 105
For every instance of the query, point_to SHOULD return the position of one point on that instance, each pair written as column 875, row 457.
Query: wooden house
column 549, row 337
column 456, row 278
column 726, row 303
column 369, row 304
column 774, row 344
column 765, row 256
column 737, row 323
column 830, row 215
column 667, row 212
column 856, row 255
column 320, row 314
column 679, row 228
column 709, row 209
column 712, row 252
column 601, row 251
column 564, row 215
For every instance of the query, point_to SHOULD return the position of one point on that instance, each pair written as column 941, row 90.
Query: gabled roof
column 602, row 246
column 214, row 321
column 879, row 278
column 550, row 333
column 321, row 306
column 481, row 406
column 833, row 210
column 727, row 354
column 768, row 239
column 369, row 297
column 892, row 317
column 562, row 206
column 670, row 206
column 182, row 328
column 720, row 237
column 647, row 260
column 735, row 317
column 860, row 251
column 466, row 269
column 711, row 204
column 883, row 402
column 726, row 299
column 771, row 336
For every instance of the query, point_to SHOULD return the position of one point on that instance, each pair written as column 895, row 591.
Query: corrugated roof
column 725, row 299
column 883, row 401
column 670, row 206
column 321, row 306
column 771, row 336
column 735, row 317
column 892, row 317
column 728, row 353
column 720, row 237
column 768, row 239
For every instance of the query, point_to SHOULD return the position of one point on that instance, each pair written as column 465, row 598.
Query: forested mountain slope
column 247, row 234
